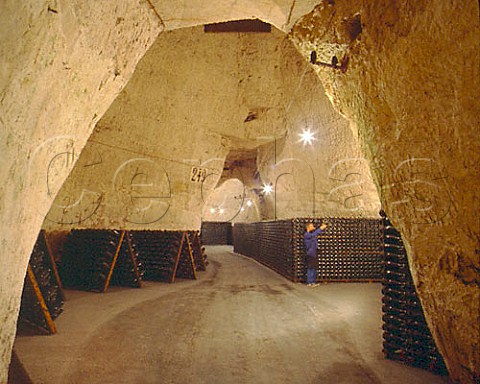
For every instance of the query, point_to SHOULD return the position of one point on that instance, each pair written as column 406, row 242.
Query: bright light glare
column 307, row 137
column 242, row 209
column 221, row 210
column 267, row 189
column 212, row 210
column 249, row 203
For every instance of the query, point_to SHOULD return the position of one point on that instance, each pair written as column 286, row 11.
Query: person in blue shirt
column 311, row 244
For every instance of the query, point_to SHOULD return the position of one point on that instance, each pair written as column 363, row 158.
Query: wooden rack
column 128, row 252
column 53, row 263
column 197, row 251
column 165, row 255
column 187, row 255
column 34, row 309
column 85, row 249
column 41, row 301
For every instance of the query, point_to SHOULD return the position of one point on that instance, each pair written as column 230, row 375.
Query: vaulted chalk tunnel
column 106, row 110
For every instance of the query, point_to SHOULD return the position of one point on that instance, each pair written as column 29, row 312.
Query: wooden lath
column 53, row 264
column 185, row 241
column 114, row 262
column 131, row 252
column 197, row 243
column 41, row 301
column 177, row 259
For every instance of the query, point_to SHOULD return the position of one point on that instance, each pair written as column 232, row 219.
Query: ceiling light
column 267, row 189
column 307, row 137
column 221, row 210
column 212, row 210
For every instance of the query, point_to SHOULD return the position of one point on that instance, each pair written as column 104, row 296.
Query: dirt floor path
column 239, row 323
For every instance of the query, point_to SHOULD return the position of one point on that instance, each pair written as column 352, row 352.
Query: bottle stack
column 406, row 336
column 349, row 249
column 245, row 238
column 157, row 251
column 269, row 243
column 43, row 268
column 216, row 233
column 89, row 257
column 166, row 254
column 197, row 250
column 186, row 268
column 129, row 270
column 275, row 247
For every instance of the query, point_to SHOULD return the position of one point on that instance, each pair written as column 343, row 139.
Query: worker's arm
column 318, row 231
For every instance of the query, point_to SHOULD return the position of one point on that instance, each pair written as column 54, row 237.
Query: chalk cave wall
column 51, row 97
column 195, row 98
column 411, row 88
column 62, row 65
column 329, row 177
column 234, row 202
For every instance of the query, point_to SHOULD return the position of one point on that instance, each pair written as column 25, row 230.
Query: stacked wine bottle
column 275, row 246
column 51, row 291
column 129, row 270
column 88, row 258
column 349, row 249
column 199, row 256
column 161, row 255
column 157, row 251
column 406, row 336
column 216, row 233
column 245, row 239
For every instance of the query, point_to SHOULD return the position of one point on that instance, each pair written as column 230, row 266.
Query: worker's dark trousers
column 311, row 275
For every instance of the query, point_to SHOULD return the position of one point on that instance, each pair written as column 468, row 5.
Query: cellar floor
column 238, row 323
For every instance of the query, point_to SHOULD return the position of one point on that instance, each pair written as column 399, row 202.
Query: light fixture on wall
column 267, row 189
column 334, row 64
column 307, row 137
column 249, row 203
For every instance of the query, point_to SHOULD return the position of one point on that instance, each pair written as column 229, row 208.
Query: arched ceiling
column 211, row 100
column 413, row 88
column 185, row 13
